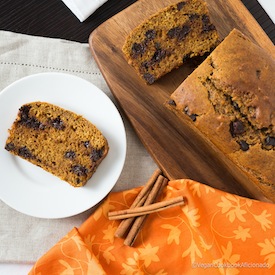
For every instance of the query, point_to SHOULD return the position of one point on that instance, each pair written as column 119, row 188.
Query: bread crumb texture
column 170, row 37
column 57, row 140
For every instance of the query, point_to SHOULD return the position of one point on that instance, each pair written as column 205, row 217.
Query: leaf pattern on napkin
column 174, row 233
column 263, row 220
column 215, row 233
column 268, row 249
column 231, row 206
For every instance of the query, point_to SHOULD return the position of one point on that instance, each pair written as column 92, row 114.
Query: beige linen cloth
column 23, row 239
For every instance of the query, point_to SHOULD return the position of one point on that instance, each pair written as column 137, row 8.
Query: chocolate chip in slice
column 180, row 5
column 172, row 102
column 79, row 170
column 270, row 141
column 86, row 144
column 70, row 154
column 179, row 32
column 193, row 16
column 149, row 78
column 96, row 154
column 244, row 146
column 150, row 34
column 24, row 152
column 138, row 49
column 30, row 122
column 24, row 113
column 206, row 24
column 159, row 54
column 236, row 128
column 10, row 146
column 57, row 123
column 193, row 117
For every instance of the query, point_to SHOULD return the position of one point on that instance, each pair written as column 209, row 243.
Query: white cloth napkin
column 24, row 239
column 83, row 8
column 269, row 7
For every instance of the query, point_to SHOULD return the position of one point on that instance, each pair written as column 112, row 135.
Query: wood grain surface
column 178, row 149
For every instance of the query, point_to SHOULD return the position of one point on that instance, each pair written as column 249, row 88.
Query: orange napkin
column 214, row 233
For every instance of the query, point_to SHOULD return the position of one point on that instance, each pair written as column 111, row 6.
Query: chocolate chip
column 70, row 155
column 24, row 112
column 158, row 55
column 207, row 26
column 244, row 146
column 157, row 45
column 193, row 117
column 150, row 79
column 138, row 49
column 172, row 102
column 184, row 31
column 10, row 146
column 26, row 120
column 96, row 154
column 236, row 128
column 180, row 5
column 24, row 152
column 150, row 34
column 34, row 123
column 57, row 123
column 270, row 141
column 179, row 32
column 86, row 144
column 156, row 58
column 79, row 170
column 173, row 33
column 193, row 16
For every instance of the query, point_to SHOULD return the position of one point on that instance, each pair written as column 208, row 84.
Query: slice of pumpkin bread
column 59, row 141
column 170, row 37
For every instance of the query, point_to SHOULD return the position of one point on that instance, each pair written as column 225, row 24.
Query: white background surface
column 23, row 269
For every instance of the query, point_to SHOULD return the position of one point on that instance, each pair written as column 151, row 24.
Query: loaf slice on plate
column 59, row 141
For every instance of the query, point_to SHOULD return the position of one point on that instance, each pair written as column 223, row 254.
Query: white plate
column 35, row 192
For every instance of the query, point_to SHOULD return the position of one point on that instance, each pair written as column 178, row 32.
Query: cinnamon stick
column 147, row 209
column 139, row 201
column 139, row 221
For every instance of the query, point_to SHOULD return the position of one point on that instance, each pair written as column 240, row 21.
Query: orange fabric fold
column 214, row 233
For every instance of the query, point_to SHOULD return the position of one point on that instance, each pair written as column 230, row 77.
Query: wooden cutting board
column 179, row 150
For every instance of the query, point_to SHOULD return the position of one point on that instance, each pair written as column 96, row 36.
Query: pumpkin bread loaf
column 59, row 141
column 170, row 37
column 230, row 98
